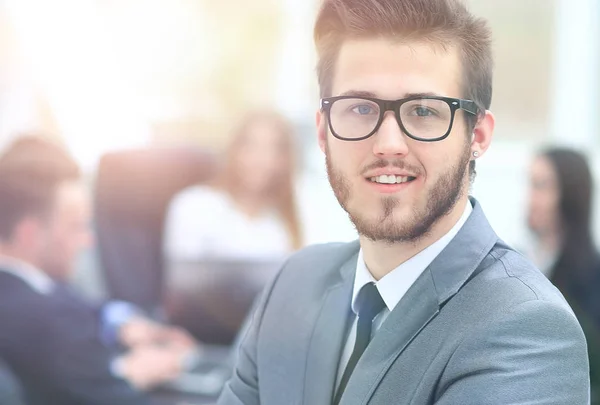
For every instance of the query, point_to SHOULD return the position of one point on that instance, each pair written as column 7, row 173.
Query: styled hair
column 444, row 23
column 31, row 170
column 577, row 257
column 282, row 194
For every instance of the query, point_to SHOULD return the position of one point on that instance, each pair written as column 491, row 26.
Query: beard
column 441, row 197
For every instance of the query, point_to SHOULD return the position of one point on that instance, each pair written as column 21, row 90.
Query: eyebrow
column 368, row 94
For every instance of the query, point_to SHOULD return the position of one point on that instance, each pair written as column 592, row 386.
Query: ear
column 28, row 233
column 482, row 134
column 321, row 130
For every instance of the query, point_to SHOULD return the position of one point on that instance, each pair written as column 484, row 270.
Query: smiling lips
column 391, row 179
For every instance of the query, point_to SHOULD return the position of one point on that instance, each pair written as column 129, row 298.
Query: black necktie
column 369, row 303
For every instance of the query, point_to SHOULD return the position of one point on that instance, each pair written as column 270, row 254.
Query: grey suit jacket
column 481, row 325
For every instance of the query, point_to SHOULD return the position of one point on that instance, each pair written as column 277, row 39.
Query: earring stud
column 475, row 154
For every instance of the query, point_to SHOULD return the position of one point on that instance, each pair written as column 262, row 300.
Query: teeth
column 389, row 179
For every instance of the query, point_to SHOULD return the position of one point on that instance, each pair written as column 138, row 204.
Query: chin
column 531, row 224
column 534, row 229
column 61, row 274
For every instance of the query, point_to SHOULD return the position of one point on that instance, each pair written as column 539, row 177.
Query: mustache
column 396, row 163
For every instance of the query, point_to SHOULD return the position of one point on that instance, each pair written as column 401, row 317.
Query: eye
column 363, row 109
column 421, row 111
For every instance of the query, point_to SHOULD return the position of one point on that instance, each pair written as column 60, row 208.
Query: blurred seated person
column 250, row 210
column 559, row 218
column 63, row 349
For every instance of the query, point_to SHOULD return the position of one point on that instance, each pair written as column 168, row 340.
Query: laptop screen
column 212, row 297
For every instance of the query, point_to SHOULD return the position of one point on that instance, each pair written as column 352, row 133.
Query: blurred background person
column 249, row 212
column 188, row 67
column 559, row 218
column 224, row 240
column 63, row 349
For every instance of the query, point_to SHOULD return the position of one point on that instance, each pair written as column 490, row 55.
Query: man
column 447, row 313
column 62, row 349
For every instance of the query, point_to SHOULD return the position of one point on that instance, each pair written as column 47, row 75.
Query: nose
column 389, row 139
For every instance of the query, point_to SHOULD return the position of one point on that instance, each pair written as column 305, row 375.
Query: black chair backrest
column 132, row 191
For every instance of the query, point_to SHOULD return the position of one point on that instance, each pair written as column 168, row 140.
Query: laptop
column 212, row 298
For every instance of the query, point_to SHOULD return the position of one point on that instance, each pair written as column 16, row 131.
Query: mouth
column 391, row 179
column 391, row 184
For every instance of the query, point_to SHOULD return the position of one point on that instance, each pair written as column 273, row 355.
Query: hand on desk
column 146, row 367
column 157, row 353
column 141, row 331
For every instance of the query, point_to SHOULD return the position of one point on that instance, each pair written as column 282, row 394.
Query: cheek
column 433, row 162
column 281, row 167
column 551, row 205
column 348, row 158
column 274, row 162
column 245, row 161
column 544, row 204
column 52, row 249
column 61, row 244
column 257, row 159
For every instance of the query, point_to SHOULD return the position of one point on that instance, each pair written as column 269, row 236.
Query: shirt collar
column 395, row 284
column 34, row 277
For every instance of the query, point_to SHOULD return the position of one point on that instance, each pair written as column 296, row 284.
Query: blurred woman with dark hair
column 560, row 210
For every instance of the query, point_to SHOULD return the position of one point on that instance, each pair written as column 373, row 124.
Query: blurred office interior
column 107, row 76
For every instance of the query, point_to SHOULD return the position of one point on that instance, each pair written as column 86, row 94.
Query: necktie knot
column 369, row 302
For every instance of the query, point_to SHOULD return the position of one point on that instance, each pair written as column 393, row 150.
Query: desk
column 174, row 398
column 214, row 364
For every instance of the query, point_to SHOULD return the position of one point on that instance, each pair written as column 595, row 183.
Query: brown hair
column 283, row 195
column 441, row 22
column 31, row 169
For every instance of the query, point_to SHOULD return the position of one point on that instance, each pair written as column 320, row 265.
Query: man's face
column 397, row 212
column 67, row 232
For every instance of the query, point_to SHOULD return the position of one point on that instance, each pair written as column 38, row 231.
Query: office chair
column 132, row 192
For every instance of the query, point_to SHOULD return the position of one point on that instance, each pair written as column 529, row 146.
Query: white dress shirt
column 203, row 222
column 34, row 277
column 394, row 285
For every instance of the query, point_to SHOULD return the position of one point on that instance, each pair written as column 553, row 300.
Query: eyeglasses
column 426, row 119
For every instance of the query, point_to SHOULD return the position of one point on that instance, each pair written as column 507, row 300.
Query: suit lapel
column 437, row 284
column 328, row 338
column 413, row 312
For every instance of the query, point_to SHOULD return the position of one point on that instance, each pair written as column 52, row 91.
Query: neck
column 382, row 257
column 16, row 254
column 251, row 204
column 550, row 241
